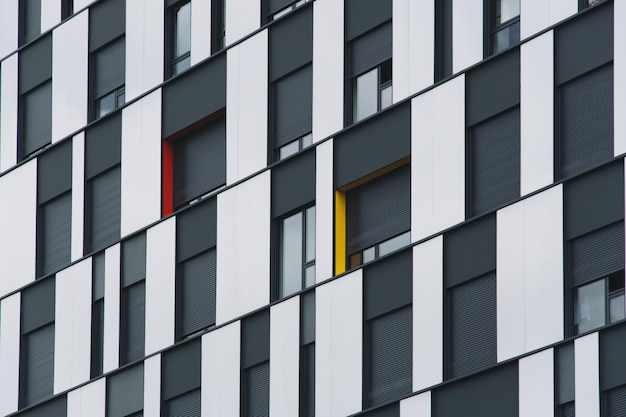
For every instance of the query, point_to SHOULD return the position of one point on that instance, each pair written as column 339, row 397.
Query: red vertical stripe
column 168, row 179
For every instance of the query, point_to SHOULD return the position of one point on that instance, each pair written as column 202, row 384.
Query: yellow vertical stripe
column 340, row 232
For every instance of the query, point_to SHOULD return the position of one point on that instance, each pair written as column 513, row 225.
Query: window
column 278, row 8
column 103, row 201
column 297, row 252
column 180, row 16
column 615, row 400
column 504, row 18
column 30, row 20
column 97, row 316
column 255, row 365
column 133, row 301
column 218, row 25
column 36, row 120
column 108, row 78
column 67, row 8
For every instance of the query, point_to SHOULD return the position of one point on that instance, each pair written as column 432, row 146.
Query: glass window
column 505, row 24
column 599, row 302
column 373, row 91
column 181, row 58
column 297, row 252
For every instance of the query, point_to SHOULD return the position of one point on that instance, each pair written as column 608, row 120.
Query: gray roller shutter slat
column 135, row 319
column 473, row 325
column 390, row 356
column 495, row 161
column 56, row 225
column 198, row 292
column 616, row 402
column 293, row 98
column 568, row 410
column 187, row 405
column 258, row 390
column 97, row 344
column 109, row 68
column 309, row 380
column 37, row 118
column 597, row 254
column 586, row 121
column 38, row 365
column 445, row 57
column 105, row 200
column 379, row 209
column 274, row 6
column 371, row 49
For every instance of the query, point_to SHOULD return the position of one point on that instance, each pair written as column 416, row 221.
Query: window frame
column 173, row 23
column 608, row 295
column 494, row 28
column 381, row 87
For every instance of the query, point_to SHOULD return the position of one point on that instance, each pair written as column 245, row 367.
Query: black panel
column 594, row 200
column 392, row 410
column 98, row 276
column 104, row 210
column 372, row 145
column 596, row 254
column 568, row 410
column 196, row 229
column 109, row 67
column 362, row 15
column 53, row 408
column 187, row 405
column 583, row 43
column 132, row 343
column 490, row 394
column 616, row 402
column 293, row 184
column 564, row 392
column 443, row 38
column 55, row 234
column 307, row 310
column 586, row 121
column 388, row 285
column 257, row 391
column 201, row 91
column 97, row 338
column 125, row 392
column 371, row 49
column 255, row 339
column 36, row 119
column 612, row 364
column 35, row 64
column 181, row 369
column 30, row 20
column 37, row 370
column 493, row 87
column 292, row 106
column 197, row 288
column 54, row 172
column 107, row 21
column 134, row 260
column 290, row 42
column 103, row 145
column 469, row 250
column 308, row 394
column 37, row 305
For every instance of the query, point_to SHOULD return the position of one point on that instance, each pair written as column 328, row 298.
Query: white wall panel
column 413, row 47
column 72, row 326
column 221, row 371
column 50, row 14
column 530, row 273
column 9, row 21
column 428, row 313
column 18, row 222
column 88, row 400
column 285, row 358
column 242, row 18
column 587, row 376
column 78, row 195
column 536, row 384
column 80, row 4
column 144, row 46
column 8, row 116
column 160, row 285
column 536, row 16
column 537, row 114
column 200, row 30
column 467, row 33
column 324, row 211
column 339, row 346
column 141, row 163
column 619, row 75
column 246, row 100
column 152, row 386
column 9, row 353
column 438, row 166
column 243, row 242
column 416, row 406
column 111, row 346
column 328, row 60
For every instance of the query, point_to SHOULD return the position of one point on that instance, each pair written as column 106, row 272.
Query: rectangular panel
column 291, row 43
column 141, row 162
column 438, row 166
column 160, row 286
column 537, row 16
column 613, row 368
column 152, row 386
column 9, row 20
column 181, row 369
column 242, row 18
column 107, row 21
column 467, row 33
column 619, row 81
column 416, row 406
column 324, row 211
column 587, row 376
column 200, row 30
column 88, row 400
column 125, row 392
column 9, row 353
column 111, row 308
column 243, row 236
column 536, row 384
column 291, row 105
column 363, row 15
column 293, row 184
column 35, row 63
column 78, row 196
column 196, row 229
column 103, row 145
column 51, row 15
column 8, row 116
column 103, row 210
column 371, row 49
column 246, row 99
column 338, row 346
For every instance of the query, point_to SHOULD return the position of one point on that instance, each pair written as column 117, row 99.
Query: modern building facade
column 377, row 208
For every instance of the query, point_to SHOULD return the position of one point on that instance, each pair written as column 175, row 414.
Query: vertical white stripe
column 8, row 116
column 80, row 4
column 9, row 353
column 78, row 195
column 536, row 384
column 587, row 375
column 88, row 400
column 9, row 21
column 200, row 30
column 50, row 14
column 536, row 16
column 111, row 348
column 242, row 17
column 467, row 33
column 152, row 386
column 324, row 211
column 416, row 406
column 619, row 76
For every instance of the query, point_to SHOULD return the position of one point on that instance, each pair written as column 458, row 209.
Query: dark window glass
column 108, row 77
column 297, row 252
column 504, row 15
column 218, row 25
column 37, row 366
column 67, row 8
column 36, row 119
column 443, row 38
column 54, row 240
column 103, row 209
column 181, row 37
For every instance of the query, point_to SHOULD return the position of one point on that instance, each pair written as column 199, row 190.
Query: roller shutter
column 616, row 402
column 134, row 318
column 371, row 49
column 37, row 118
column 309, row 380
column 198, row 292
column 186, row 405
column 104, row 209
column 568, row 410
column 293, row 101
column 596, row 254
column 258, row 390
column 37, row 366
column 55, row 223
column 109, row 68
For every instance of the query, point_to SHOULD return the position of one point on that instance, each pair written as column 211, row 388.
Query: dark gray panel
column 38, row 305
column 372, row 145
column 362, row 15
column 134, row 259
column 98, row 276
column 307, row 310
column 293, row 184
column 196, row 229
column 443, row 38
column 388, row 284
column 371, row 49
column 200, row 92
column 586, row 121
column 583, row 43
column 197, row 288
column 187, row 405
column 392, row 410
column 616, row 402
column 30, row 20
column 564, row 392
column 181, row 369
column 97, row 338
column 596, row 254
column 469, row 251
column 489, row 394
column 36, row 119
column 37, row 366
column 132, row 343
column 103, row 145
column 35, row 64
column 568, row 410
column 53, row 408
column 54, row 172
column 125, row 392
column 493, row 87
column 107, row 21
column 293, row 106
column 275, row 5
column 257, row 391
column 103, row 214
column 109, row 67
column 291, row 42
column 612, row 364
column 54, row 237
column 308, row 400
column 255, row 339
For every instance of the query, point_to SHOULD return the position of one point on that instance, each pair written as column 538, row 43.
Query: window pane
column 394, row 243
column 591, row 306
column 307, row 140
column 616, row 308
column 310, row 234
column 506, row 37
column 291, row 256
column 385, row 97
column 366, row 95
column 182, row 65
column 309, row 276
column 182, row 42
column 369, row 254
column 105, row 105
column 506, row 9
column 289, row 149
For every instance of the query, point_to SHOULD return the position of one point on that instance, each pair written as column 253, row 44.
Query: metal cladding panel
column 291, row 43
column 37, row 374
column 438, row 159
column 9, row 353
column 619, row 82
column 536, row 384
column 88, row 400
column 257, row 390
column 587, row 375
column 9, row 23
column 51, row 15
column 243, row 236
column 152, row 386
column 31, row 21
column 9, row 104
column 467, row 33
column 55, row 234
column 197, row 287
column 78, row 196
column 535, row 17
column 104, row 209
column 596, row 254
column 37, row 118
column 616, row 402
column 371, row 49
column 201, row 23
column 242, row 18
column 293, row 98
column 81, row 4
column 324, row 211
column 416, row 406
column 185, row 405
column 111, row 308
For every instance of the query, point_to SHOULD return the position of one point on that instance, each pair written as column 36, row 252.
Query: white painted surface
column 537, row 113
column 50, row 14
column 78, row 195
column 246, row 101
column 145, row 22
column 413, row 47
column 80, row 4
column 9, row 21
column 111, row 346
column 243, row 236
column 428, row 313
column 619, row 76
column 536, row 384
column 536, row 16
column 339, row 346
column 88, row 400
column 160, row 285
column 324, row 211
column 141, row 163
column 72, row 326
column 220, row 371
column 328, row 73
column 152, row 386
column 530, row 273
column 9, row 353
column 285, row 358
column 587, row 375
column 242, row 18
column 438, row 165
column 200, row 30
column 416, row 406
column 18, row 222
column 8, row 116
column 467, row 33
